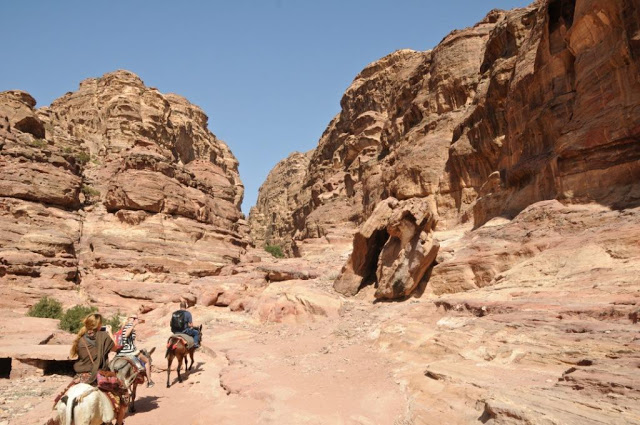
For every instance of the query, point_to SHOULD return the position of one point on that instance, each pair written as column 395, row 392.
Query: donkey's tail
column 72, row 403
column 171, row 345
column 70, row 406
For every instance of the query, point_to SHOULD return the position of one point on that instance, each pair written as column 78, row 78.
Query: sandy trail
column 183, row 403
column 324, row 372
column 283, row 374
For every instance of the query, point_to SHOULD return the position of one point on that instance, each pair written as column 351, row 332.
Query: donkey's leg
column 169, row 369
column 180, row 357
column 191, row 355
column 132, row 407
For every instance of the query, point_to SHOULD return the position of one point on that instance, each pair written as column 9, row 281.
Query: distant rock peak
column 113, row 184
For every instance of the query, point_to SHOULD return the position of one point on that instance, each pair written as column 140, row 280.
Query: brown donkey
column 176, row 348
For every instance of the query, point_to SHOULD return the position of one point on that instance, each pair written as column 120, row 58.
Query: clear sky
column 268, row 73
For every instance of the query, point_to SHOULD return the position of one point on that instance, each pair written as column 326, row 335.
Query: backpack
column 178, row 322
column 119, row 339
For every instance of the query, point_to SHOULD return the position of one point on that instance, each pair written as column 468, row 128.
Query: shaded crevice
column 32, row 126
column 5, row 367
column 369, row 268
column 59, row 367
column 561, row 14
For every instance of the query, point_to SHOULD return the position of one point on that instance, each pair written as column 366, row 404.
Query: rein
column 127, row 362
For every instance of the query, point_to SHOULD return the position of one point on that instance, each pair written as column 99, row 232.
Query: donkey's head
column 147, row 354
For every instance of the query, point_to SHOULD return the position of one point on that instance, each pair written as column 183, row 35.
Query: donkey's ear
column 152, row 350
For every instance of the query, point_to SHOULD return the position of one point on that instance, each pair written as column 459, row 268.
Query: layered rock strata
column 532, row 104
column 270, row 221
column 544, row 332
column 113, row 185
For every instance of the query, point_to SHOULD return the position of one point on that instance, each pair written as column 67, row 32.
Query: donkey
column 130, row 375
column 176, row 348
column 85, row 405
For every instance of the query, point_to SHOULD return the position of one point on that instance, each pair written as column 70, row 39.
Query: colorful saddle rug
column 116, row 399
column 187, row 340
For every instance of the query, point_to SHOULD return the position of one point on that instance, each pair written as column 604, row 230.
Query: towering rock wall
column 270, row 219
column 536, row 103
column 114, row 190
column 571, row 111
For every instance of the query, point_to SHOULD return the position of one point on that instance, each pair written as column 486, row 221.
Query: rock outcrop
column 543, row 332
column 116, row 190
column 394, row 248
column 270, row 219
column 532, row 104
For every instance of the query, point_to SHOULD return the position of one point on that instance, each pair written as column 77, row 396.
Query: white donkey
column 85, row 405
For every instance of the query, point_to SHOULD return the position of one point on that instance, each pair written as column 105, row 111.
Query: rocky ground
column 552, row 338
column 489, row 187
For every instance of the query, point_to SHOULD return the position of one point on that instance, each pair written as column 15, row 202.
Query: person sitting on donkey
column 182, row 322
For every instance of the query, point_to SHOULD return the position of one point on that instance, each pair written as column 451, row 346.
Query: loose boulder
column 394, row 248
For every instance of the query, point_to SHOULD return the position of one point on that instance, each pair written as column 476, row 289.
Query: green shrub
column 114, row 321
column 274, row 250
column 46, row 307
column 90, row 190
column 72, row 319
column 83, row 157
column 39, row 143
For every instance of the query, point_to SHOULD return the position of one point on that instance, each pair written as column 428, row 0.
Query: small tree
column 39, row 143
column 114, row 321
column 83, row 157
column 274, row 250
column 72, row 319
column 90, row 190
column 47, row 307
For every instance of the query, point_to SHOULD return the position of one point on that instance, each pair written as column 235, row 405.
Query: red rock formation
column 270, row 219
column 111, row 186
column 395, row 246
column 571, row 112
column 532, row 104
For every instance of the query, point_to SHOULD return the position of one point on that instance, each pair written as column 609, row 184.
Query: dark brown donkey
column 176, row 348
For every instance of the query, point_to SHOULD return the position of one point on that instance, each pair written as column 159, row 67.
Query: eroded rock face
column 114, row 184
column 553, row 296
column 396, row 245
column 39, row 192
column 270, row 219
column 571, row 112
column 532, row 104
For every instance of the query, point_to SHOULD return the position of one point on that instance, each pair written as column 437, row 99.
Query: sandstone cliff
column 115, row 190
column 532, row 104
column 270, row 219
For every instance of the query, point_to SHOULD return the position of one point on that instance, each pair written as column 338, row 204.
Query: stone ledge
column 36, row 352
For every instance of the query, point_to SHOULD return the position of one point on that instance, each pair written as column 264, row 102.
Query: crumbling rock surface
column 532, row 104
column 113, row 184
column 533, row 324
column 396, row 243
column 269, row 219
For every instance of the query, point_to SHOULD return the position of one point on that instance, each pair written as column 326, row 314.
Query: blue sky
column 269, row 74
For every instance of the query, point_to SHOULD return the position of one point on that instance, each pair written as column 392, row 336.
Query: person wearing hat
column 129, row 347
